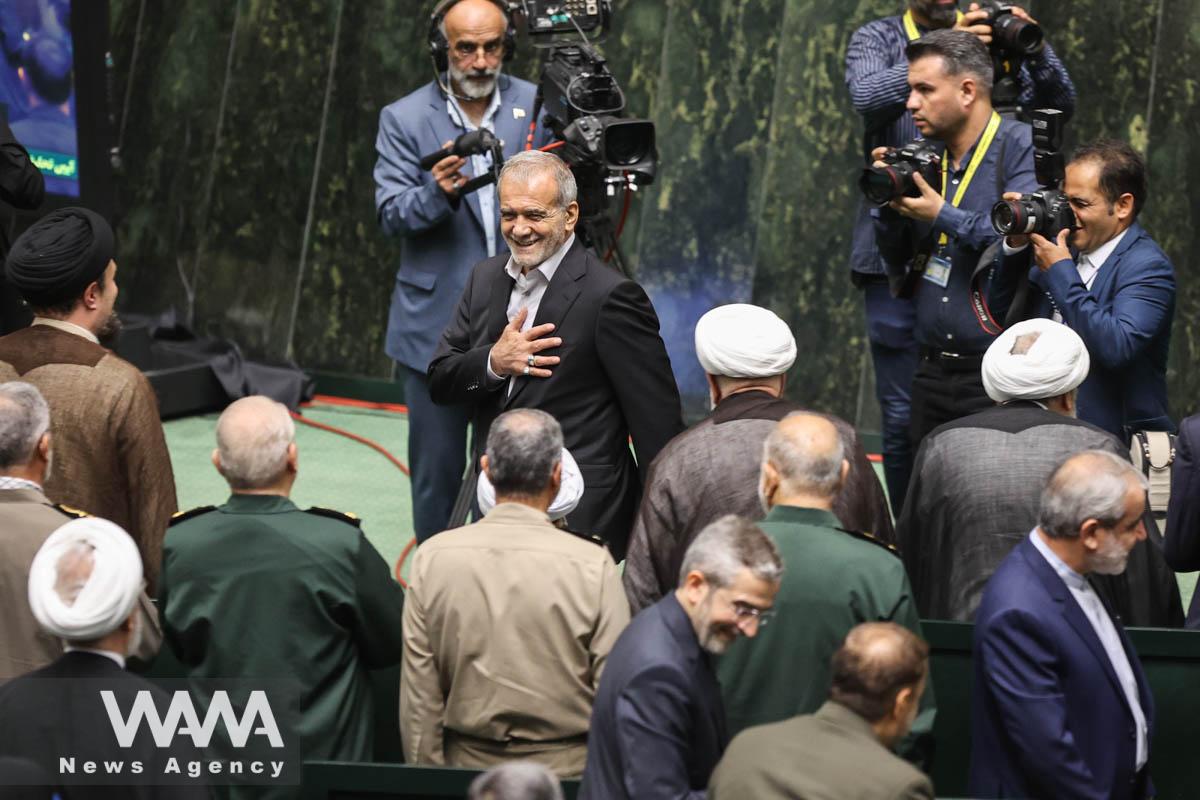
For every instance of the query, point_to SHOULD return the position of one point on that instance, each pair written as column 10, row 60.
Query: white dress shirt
column 1088, row 265
column 116, row 658
column 69, row 327
column 527, row 292
column 481, row 163
column 1106, row 631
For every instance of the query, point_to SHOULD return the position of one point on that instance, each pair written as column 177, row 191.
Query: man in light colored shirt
column 508, row 622
column 1060, row 706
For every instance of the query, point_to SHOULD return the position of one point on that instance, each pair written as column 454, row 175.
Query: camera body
column 1046, row 211
column 881, row 185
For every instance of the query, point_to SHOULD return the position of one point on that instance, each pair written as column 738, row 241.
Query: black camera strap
column 988, row 263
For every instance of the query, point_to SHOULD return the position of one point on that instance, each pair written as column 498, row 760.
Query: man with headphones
column 443, row 233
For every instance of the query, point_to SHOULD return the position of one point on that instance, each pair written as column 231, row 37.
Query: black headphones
column 439, row 48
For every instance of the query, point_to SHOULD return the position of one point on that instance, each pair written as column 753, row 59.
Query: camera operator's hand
column 1016, row 241
column 974, row 21
column 447, row 173
column 924, row 208
column 515, row 352
column 877, row 156
column 1047, row 252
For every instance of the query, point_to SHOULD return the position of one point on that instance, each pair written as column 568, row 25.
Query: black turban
column 56, row 259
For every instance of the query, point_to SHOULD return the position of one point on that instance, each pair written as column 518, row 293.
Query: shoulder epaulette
column 867, row 537
column 180, row 516
column 74, row 513
column 587, row 537
column 341, row 516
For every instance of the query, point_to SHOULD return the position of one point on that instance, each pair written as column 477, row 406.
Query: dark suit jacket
column 1125, row 321
column 57, row 712
column 658, row 727
column 1048, row 717
column 614, row 380
column 1182, row 545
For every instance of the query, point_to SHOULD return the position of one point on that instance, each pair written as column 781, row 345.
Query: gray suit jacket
column 830, row 755
column 440, row 240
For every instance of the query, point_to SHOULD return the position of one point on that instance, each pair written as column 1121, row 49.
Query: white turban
column 110, row 593
column 1055, row 364
column 744, row 341
column 569, row 491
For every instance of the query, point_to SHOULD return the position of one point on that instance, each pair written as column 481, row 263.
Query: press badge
column 937, row 270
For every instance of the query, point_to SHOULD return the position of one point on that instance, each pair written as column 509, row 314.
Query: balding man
column 27, row 518
column 259, row 588
column 712, row 468
column 975, row 490
column 442, row 231
column 112, row 455
column 84, row 586
column 836, row 579
column 844, row 749
column 1060, row 706
column 554, row 328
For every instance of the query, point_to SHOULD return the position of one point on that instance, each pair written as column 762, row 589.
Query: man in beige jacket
column 508, row 622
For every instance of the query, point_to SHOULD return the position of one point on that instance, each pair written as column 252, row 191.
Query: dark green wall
column 754, row 199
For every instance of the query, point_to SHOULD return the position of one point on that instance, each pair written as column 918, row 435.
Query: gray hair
column 527, row 164
column 24, row 420
column 726, row 547
column 253, row 436
column 523, row 446
column 1088, row 485
column 960, row 52
column 516, row 780
column 802, row 464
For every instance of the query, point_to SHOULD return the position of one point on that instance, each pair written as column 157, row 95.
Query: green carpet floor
column 335, row 472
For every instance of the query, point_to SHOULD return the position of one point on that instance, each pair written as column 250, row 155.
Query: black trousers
column 946, row 387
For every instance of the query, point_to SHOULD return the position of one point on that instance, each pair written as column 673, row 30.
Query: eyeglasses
column 490, row 49
column 743, row 610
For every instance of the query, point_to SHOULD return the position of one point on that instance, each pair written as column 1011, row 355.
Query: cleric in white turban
column 570, row 490
column 744, row 341
column 85, row 580
column 1038, row 359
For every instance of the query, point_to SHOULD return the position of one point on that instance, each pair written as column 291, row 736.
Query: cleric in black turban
column 59, row 256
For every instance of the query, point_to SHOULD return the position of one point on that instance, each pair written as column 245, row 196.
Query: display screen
column 37, row 87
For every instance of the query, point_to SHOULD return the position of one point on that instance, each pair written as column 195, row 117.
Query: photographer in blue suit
column 443, row 233
column 1109, row 282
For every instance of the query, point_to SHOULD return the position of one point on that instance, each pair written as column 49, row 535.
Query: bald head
column 806, row 453
column 875, row 662
column 255, row 444
column 470, row 17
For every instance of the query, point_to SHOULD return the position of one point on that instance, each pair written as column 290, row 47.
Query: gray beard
column 473, row 89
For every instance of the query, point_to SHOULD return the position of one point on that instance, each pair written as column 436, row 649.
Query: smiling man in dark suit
column 554, row 328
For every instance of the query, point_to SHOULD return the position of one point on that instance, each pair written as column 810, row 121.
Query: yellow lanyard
column 910, row 24
column 980, row 153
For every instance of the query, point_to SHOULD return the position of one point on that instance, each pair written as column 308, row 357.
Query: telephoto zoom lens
column 1011, row 217
column 881, row 185
column 1018, row 35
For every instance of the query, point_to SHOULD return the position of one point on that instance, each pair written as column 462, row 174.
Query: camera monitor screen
column 37, row 87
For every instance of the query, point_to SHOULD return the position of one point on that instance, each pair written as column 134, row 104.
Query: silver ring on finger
column 531, row 360
column 526, row 370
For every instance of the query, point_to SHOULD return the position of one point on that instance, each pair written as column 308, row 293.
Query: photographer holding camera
column 1105, row 278
column 876, row 75
column 935, row 228
column 444, row 230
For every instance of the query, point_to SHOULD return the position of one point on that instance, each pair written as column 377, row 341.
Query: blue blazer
column 1125, row 321
column 658, row 726
column 440, row 241
column 1181, row 544
column 1048, row 717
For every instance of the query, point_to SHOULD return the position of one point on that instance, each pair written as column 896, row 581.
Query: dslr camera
column 1011, row 35
column 1046, row 211
column 881, row 185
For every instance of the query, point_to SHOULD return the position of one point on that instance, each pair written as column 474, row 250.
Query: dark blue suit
column 1048, row 717
column 1125, row 321
column 440, row 242
column 658, row 726
column 1182, row 539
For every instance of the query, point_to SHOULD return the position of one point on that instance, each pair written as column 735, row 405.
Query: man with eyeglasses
column 443, row 232
column 835, row 579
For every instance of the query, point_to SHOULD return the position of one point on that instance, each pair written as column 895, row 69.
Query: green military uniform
column 258, row 588
column 832, row 580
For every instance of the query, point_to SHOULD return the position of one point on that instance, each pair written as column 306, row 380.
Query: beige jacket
column 507, row 624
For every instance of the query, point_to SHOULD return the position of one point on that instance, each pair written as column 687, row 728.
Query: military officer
column 833, row 580
column 259, row 588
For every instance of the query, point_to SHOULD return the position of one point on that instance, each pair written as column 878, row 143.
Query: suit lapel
column 444, row 129
column 557, row 301
column 1108, row 270
column 497, row 306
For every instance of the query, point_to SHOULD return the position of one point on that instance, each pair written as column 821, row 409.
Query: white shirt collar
column 464, row 121
column 547, row 267
column 117, row 658
column 1098, row 256
column 69, row 327
column 9, row 483
column 1070, row 577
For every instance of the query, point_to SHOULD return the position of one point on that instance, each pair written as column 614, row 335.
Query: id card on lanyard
column 937, row 271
